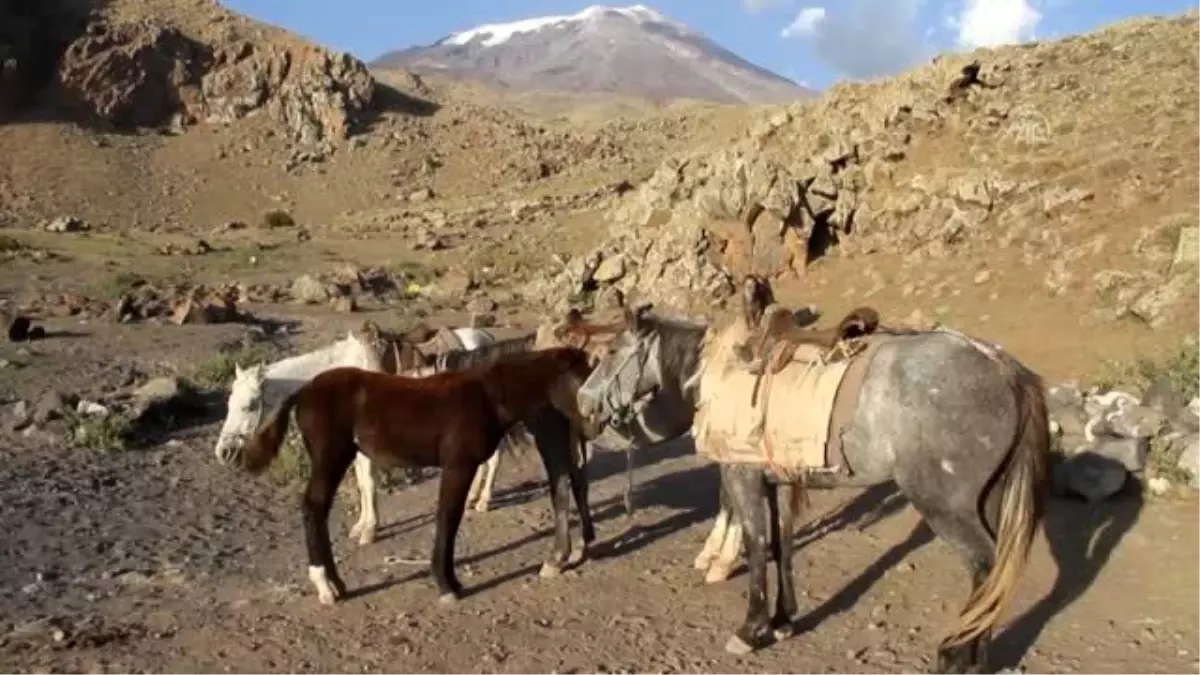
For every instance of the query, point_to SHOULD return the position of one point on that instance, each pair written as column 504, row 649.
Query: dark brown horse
column 453, row 420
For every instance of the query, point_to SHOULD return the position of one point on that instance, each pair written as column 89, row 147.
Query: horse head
column 626, row 373
column 244, row 411
column 374, row 344
column 756, row 297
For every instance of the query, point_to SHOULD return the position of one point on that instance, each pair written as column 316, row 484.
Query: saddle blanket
column 789, row 424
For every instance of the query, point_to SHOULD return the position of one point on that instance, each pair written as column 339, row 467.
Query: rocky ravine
column 1073, row 160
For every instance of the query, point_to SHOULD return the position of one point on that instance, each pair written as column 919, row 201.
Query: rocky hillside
column 203, row 116
column 1058, row 170
column 625, row 50
column 153, row 63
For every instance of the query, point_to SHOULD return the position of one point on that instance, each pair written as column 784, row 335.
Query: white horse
column 258, row 390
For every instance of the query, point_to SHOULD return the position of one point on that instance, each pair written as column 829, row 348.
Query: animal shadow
column 1082, row 538
column 691, row 494
column 606, row 463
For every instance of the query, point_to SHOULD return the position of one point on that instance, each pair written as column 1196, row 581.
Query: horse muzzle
column 227, row 453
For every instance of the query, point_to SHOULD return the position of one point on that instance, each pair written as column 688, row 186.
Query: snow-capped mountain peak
column 633, row 50
column 494, row 34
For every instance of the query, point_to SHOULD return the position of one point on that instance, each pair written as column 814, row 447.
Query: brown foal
column 453, row 420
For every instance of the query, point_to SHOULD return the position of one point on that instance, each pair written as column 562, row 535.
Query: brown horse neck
column 521, row 383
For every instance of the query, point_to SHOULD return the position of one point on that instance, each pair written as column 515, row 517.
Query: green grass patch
column 105, row 433
column 1180, row 367
column 219, row 371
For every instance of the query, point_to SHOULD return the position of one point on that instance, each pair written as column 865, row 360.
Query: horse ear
column 634, row 317
column 238, row 371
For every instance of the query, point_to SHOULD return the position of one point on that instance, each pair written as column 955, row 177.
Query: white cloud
column 864, row 38
column 806, row 22
column 990, row 23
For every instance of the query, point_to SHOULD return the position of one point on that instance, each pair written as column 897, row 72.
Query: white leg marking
column 713, row 543
column 493, row 464
column 325, row 590
column 476, row 484
column 731, row 548
column 364, row 529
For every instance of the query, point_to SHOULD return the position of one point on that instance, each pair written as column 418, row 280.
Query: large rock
column 1189, row 460
column 150, row 72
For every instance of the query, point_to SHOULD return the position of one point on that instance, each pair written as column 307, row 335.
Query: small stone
column 1158, row 486
column 481, row 304
column 18, row 415
column 982, row 276
column 344, row 304
column 422, row 195
column 610, row 270
column 67, row 224
column 307, row 290
column 91, row 409
column 49, row 407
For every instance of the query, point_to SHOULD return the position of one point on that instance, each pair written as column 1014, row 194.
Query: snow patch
column 498, row 33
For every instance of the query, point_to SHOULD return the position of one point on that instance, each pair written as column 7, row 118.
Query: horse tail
column 263, row 446
column 1022, row 506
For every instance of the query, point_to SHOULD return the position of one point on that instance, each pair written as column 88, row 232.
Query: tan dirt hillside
column 188, row 189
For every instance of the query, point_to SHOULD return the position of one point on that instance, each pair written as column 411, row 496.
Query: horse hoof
column 737, row 646
column 783, row 632
column 366, row 538
column 576, row 556
column 549, row 571
column 481, row 507
column 447, row 599
column 717, row 574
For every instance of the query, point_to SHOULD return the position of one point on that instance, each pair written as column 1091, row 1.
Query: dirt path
column 163, row 561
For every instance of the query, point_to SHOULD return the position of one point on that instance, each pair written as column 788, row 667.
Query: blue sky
column 815, row 42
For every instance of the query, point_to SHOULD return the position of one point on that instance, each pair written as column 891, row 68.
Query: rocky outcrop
column 972, row 151
column 147, row 72
column 1104, row 437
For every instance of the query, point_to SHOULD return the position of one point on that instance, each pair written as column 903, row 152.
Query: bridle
column 621, row 415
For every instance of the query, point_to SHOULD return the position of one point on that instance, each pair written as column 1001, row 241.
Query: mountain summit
column 631, row 50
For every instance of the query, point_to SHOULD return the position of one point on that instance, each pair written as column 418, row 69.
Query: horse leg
column 746, row 487
column 476, row 484
column 960, row 525
column 782, row 505
column 730, row 547
column 578, row 476
column 328, row 468
column 493, row 464
column 629, row 505
column 715, row 538
column 553, row 436
column 364, row 529
column 717, row 535
column 452, row 502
